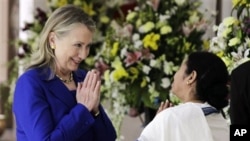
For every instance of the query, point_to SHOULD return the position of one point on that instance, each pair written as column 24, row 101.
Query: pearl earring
column 52, row 47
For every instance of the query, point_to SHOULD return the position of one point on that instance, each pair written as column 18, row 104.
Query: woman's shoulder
column 30, row 72
column 183, row 109
column 35, row 73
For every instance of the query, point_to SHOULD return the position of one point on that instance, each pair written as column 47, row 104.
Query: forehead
column 65, row 30
column 77, row 32
column 183, row 65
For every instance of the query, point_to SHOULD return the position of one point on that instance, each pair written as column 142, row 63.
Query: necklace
column 66, row 80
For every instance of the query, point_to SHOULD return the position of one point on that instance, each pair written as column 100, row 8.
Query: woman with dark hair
column 201, row 85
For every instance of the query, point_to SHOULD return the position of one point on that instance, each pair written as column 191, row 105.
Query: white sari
column 185, row 122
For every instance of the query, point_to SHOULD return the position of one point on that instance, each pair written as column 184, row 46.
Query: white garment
column 185, row 122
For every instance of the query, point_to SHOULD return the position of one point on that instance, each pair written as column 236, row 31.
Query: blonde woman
column 53, row 99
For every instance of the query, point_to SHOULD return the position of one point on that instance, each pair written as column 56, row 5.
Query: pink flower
column 146, row 54
column 155, row 4
column 132, row 57
column 101, row 67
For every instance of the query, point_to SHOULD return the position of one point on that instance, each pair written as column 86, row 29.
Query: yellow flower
column 104, row 19
column 147, row 27
column 144, row 82
column 77, row 2
column 165, row 29
column 131, row 16
column 88, row 8
column 61, row 3
column 234, row 41
column 187, row 46
column 107, row 75
column 135, row 72
column 119, row 71
column 114, row 49
column 138, row 23
column 226, row 31
column 206, row 44
column 240, row 3
column 226, row 60
column 220, row 54
column 150, row 41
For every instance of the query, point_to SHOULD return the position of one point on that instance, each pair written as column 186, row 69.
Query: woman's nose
column 83, row 53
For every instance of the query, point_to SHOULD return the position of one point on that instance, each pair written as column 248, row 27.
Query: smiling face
column 71, row 48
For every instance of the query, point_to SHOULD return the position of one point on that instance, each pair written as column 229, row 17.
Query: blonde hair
column 60, row 22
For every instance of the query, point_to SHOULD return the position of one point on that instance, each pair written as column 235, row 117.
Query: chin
column 73, row 68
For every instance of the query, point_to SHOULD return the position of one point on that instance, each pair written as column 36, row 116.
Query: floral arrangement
column 232, row 42
column 141, row 54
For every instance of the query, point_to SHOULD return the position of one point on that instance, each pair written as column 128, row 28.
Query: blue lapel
column 59, row 90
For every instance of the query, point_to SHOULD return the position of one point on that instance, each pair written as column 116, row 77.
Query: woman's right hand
column 164, row 105
column 88, row 92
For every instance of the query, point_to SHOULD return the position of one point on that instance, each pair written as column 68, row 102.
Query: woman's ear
column 192, row 77
column 52, row 36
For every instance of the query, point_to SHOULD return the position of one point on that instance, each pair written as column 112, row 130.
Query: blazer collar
column 59, row 89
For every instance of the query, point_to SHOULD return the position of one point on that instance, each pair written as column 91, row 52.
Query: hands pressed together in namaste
column 88, row 91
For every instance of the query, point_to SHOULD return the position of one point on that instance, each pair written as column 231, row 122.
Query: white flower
column 155, row 63
column 124, row 51
column 154, row 93
column 165, row 82
column 217, row 44
column 138, row 44
column 146, row 69
column 228, row 21
column 136, row 37
column 179, row 2
column 246, row 53
column 169, row 67
column 234, row 41
column 163, row 18
column 215, row 27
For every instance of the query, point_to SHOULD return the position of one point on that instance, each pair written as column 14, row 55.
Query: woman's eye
column 89, row 46
column 78, row 45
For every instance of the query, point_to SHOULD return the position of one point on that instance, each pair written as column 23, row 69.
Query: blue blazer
column 45, row 110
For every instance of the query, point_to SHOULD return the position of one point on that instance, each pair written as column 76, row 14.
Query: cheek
column 84, row 52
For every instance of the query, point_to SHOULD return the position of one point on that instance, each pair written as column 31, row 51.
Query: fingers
column 86, row 80
column 94, row 79
column 164, row 105
column 97, row 87
column 88, row 93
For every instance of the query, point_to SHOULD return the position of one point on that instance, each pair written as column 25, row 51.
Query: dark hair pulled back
column 212, row 78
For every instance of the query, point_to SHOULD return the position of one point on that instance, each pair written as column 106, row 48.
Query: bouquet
column 232, row 42
column 141, row 54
